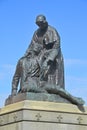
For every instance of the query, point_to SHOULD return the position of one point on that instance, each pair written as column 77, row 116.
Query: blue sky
column 17, row 25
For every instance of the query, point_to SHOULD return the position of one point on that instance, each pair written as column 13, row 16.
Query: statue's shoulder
column 37, row 31
column 51, row 28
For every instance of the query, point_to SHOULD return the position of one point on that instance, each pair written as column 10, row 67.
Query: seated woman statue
column 41, row 69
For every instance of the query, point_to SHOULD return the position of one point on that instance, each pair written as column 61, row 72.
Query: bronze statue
column 45, row 45
column 41, row 69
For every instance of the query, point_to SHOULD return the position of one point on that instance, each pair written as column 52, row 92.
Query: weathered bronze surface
column 41, row 69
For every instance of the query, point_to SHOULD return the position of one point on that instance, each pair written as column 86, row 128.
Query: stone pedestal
column 36, row 97
column 39, row 115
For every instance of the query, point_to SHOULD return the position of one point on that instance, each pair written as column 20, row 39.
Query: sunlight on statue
column 41, row 69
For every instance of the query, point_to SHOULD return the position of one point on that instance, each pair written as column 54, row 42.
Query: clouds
column 6, row 70
column 75, row 62
column 76, row 67
column 76, row 77
column 6, row 73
